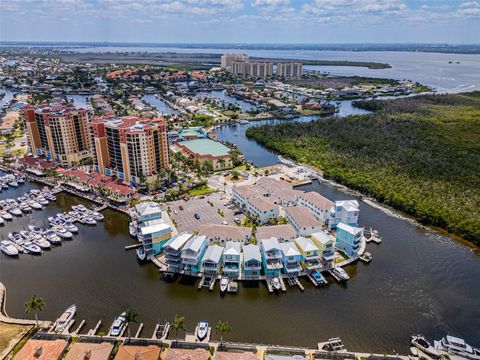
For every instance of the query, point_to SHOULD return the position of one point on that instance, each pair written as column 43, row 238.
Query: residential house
column 318, row 205
column 291, row 258
column 193, row 252
column 302, row 220
column 349, row 239
column 131, row 352
column 80, row 350
column 271, row 257
column 252, row 261
column 212, row 260
column 262, row 209
column 147, row 210
column 154, row 234
column 345, row 212
column 42, row 349
column 217, row 233
column 173, row 251
column 326, row 246
column 231, row 259
column 310, row 253
column 283, row 233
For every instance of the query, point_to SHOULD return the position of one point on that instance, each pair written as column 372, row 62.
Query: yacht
column 15, row 237
column 50, row 197
column 35, row 205
column 202, row 330
column 96, row 216
column 276, row 283
column 35, row 229
column 421, row 343
column 25, row 234
column 40, row 241
column 15, row 211
column 42, row 201
column 88, row 220
column 25, row 207
column 118, row 325
column 13, row 183
column 60, row 231
column 8, row 248
column 141, row 254
column 4, row 186
column 223, row 284
column 69, row 226
column 51, row 237
column 458, row 347
column 31, row 247
column 132, row 229
column 340, row 273
column 21, row 180
column 5, row 215
column 64, row 319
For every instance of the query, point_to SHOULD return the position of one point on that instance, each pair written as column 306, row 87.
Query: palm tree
column 178, row 324
column 222, row 327
column 129, row 317
column 34, row 305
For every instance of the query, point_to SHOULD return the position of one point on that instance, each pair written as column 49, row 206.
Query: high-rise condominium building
column 290, row 70
column 227, row 60
column 130, row 147
column 256, row 70
column 59, row 131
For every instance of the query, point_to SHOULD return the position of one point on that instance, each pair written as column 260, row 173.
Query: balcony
column 274, row 265
column 328, row 256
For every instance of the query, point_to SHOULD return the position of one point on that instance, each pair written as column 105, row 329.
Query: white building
column 302, row 220
column 318, row 205
column 345, row 211
column 262, row 209
column 227, row 59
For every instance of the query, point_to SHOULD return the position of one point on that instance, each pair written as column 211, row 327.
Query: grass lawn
column 202, row 190
column 11, row 333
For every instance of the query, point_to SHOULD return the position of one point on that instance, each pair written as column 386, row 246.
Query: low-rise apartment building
column 207, row 150
column 348, row 239
column 221, row 234
column 302, row 220
column 261, row 209
column 318, row 205
column 345, row 212
column 283, row 233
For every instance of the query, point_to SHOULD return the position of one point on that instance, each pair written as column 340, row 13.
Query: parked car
column 236, row 220
column 180, row 207
column 197, row 216
column 224, row 222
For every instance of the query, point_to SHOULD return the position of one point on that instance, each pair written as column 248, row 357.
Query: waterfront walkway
column 8, row 320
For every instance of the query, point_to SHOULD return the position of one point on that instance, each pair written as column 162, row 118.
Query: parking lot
column 185, row 219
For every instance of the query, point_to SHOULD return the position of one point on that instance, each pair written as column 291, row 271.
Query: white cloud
column 270, row 2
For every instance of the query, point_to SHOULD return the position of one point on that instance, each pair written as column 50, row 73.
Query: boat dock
column 133, row 246
column 95, row 329
column 312, row 279
column 161, row 331
column 269, row 286
column 79, row 327
column 139, row 330
column 282, row 284
column 334, row 276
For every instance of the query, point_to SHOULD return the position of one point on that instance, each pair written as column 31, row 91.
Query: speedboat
column 35, row 205
column 13, row 183
column 15, row 211
column 276, row 283
column 35, row 229
column 15, row 237
column 5, row 215
column 458, row 347
column 96, row 216
column 64, row 319
column 40, row 241
column 50, row 197
column 42, row 201
column 25, row 234
column 69, row 226
column 202, row 330
column 51, row 237
column 24, row 207
column 319, row 278
column 421, row 343
column 132, row 229
column 141, row 254
column 88, row 220
column 60, row 231
column 8, row 248
column 223, row 284
column 118, row 325
column 340, row 273
column 79, row 208
column 31, row 247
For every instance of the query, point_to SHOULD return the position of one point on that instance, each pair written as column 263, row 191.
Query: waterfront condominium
column 227, row 60
column 349, row 239
column 289, row 70
column 59, row 131
column 131, row 148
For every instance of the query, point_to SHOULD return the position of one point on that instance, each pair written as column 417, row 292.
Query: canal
column 419, row 281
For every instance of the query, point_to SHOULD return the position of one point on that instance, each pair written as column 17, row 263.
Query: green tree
column 223, row 327
column 178, row 324
column 130, row 317
column 34, row 305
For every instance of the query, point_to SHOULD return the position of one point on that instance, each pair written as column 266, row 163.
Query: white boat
column 202, row 330
column 50, row 197
column 51, row 237
column 340, row 273
column 42, row 201
column 88, row 220
column 35, row 205
column 421, row 343
column 25, row 234
column 458, row 347
column 118, row 325
column 223, row 284
column 141, row 254
column 40, row 241
column 70, row 227
column 132, row 229
column 15, row 237
column 15, row 211
column 276, row 283
column 35, row 229
column 25, row 207
column 96, row 216
column 21, row 180
column 8, row 248
column 64, row 319
column 31, row 247
column 2, row 222
column 5, row 215
column 13, row 183
column 60, row 231
column 4, row 186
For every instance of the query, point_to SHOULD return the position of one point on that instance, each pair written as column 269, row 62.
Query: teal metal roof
column 206, row 147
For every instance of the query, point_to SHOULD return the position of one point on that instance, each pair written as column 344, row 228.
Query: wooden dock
column 95, row 329
column 282, row 284
column 312, row 279
column 297, row 280
column 77, row 330
column 139, row 330
column 212, row 284
column 269, row 286
column 334, row 276
column 133, row 246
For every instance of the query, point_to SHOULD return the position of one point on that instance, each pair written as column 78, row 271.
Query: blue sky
column 241, row 21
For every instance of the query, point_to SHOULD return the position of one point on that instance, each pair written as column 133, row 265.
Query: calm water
column 245, row 106
column 418, row 282
column 161, row 105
